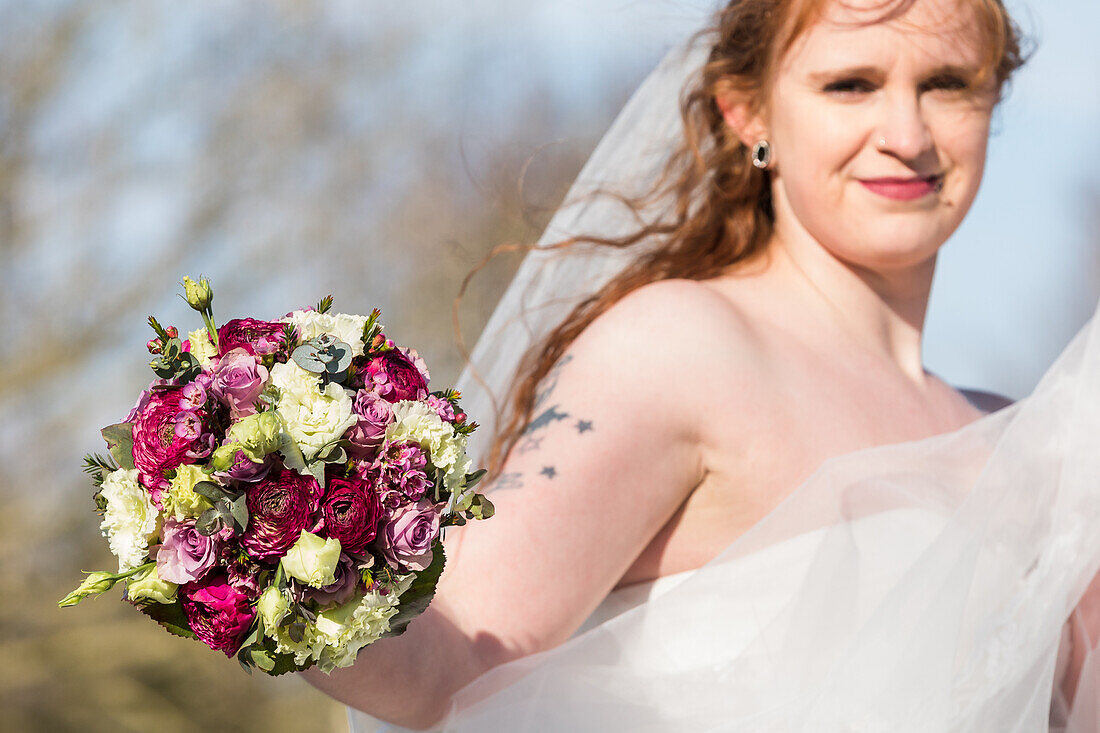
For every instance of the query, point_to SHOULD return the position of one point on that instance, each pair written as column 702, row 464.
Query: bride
column 729, row 496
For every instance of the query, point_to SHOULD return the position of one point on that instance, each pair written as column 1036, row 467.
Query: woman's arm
column 611, row 452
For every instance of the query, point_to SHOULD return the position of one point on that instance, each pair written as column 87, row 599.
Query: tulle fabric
column 922, row 586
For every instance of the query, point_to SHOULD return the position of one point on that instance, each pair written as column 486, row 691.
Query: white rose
column 417, row 422
column 313, row 417
column 130, row 519
column 347, row 328
column 201, row 347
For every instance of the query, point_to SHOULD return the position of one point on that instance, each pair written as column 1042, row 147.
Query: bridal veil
column 920, row 586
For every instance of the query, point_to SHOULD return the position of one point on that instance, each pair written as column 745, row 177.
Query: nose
column 904, row 132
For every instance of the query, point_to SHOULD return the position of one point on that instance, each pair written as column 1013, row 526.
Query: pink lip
column 903, row 189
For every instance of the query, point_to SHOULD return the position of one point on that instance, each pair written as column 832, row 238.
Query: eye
column 948, row 83
column 849, row 87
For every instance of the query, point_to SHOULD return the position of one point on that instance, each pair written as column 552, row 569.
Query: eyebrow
column 864, row 71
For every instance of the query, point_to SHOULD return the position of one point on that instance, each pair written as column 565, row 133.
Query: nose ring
column 882, row 142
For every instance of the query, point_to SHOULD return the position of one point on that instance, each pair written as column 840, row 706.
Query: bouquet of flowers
column 279, row 491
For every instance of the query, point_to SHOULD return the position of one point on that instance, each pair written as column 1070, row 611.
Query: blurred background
column 288, row 150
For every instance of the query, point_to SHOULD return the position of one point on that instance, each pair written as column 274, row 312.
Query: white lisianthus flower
column 201, row 347
column 417, row 422
column 338, row 634
column 130, row 519
column 313, row 417
column 347, row 328
column 181, row 500
column 313, row 560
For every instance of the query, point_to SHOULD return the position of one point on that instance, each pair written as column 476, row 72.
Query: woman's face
column 880, row 131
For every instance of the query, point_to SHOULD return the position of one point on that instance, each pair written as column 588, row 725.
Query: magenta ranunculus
column 395, row 377
column 406, row 539
column 350, row 512
column 258, row 338
column 374, row 414
column 186, row 554
column 238, row 381
column 157, row 444
column 279, row 508
column 217, row 613
column 340, row 591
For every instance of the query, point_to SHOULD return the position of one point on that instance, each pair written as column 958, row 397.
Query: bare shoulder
column 985, row 401
column 675, row 322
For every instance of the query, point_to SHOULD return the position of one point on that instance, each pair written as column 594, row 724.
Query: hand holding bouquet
column 280, row 490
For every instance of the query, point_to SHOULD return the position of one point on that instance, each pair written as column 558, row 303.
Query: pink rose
column 374, row 414
column 406, row 540
column 350, row 512
column 255, row 337
column 217, row 613
column 238, row 381
column 279, row 508
column 186, row 554
column 158, row 445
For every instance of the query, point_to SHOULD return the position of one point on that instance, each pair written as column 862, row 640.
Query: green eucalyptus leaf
column 481, row 507
column 209, row 522
column 297, row 632
column 472, row 479
column 210, row 490
column 238, row 509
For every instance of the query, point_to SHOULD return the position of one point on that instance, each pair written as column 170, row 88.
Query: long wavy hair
column 721, row 204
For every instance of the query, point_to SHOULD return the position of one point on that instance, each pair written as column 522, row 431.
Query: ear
column 740, row 113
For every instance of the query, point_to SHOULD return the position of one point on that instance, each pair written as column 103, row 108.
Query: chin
column 887, row 252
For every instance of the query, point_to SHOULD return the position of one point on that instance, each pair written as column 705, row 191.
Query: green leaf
column 209, row 522
column 262, row 659
column 120, row 443
column 239, row 511
column 481, row 507
column 171, row 617
column 211, row 490
column 292, row 454
column 472, row 479
column 325, row 304
column 416, row 599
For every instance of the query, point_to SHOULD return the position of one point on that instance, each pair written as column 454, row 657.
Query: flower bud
column 154, row 346
column 312, row 560
column 272, row 607
column 172, row 332
column 198, row 294
column 96, row 583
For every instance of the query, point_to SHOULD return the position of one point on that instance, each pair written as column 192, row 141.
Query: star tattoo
column 531, row 444
column 583, row 426
column 548, row 471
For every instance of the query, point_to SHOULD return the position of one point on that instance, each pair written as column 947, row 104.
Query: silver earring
column 762, row 154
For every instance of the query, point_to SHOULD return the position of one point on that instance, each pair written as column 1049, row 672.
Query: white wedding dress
column 921, row 586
